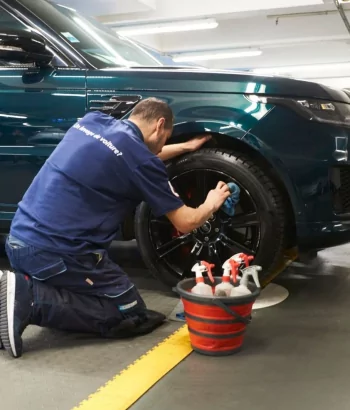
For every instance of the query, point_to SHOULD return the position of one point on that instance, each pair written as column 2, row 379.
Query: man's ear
column 160, row 124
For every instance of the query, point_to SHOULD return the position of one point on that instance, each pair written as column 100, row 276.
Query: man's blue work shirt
column 98, row 173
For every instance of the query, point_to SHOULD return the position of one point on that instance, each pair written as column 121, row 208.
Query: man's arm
column 174, row 150
column 186, row 219
column 151, row 180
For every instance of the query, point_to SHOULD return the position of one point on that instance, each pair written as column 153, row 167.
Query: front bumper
column 320, row 235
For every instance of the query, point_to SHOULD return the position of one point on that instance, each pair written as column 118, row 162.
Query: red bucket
column 216, row 324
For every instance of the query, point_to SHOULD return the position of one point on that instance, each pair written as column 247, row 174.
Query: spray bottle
column 242, row 258
column 202, row 288
column 230, row 268
column 242, row 289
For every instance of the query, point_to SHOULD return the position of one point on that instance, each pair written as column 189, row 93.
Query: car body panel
column 194, row 80
column 36, row 110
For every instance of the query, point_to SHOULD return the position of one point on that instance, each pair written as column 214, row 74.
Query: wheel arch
column 248, row 144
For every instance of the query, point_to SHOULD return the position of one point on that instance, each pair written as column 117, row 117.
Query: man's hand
column 216, row 197
column 174, row 150
column 195, row 143
column 185, row 219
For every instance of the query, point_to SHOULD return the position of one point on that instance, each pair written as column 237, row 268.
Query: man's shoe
column 1, row 345
column 16, row 300
column 149, row 322
column 143, row 324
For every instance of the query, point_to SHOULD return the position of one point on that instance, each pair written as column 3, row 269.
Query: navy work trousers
column 83, row 293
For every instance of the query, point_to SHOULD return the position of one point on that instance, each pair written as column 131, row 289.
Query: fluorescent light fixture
column 136, row 30
column 220, row 55
column 292, row 68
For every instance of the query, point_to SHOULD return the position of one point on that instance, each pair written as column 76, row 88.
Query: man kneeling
column 63, row 277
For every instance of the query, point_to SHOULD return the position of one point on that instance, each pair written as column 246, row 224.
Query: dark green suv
column 285, row 142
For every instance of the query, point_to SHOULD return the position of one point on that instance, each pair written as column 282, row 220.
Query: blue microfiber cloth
column 229, row 206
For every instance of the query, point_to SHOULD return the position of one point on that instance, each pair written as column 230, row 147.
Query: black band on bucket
column 217, row 352
column 216, row 321
column 245, row 320
column 216, row 336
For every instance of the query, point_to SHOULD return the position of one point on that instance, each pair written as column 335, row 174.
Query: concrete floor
column 296, row 354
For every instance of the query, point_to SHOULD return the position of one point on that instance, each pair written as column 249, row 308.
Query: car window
column 101, row 46
column 10, row 22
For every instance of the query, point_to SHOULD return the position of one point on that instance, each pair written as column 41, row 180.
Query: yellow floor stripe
column 128, row 386
column 286, row 259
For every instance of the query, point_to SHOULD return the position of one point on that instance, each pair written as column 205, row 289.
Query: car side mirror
column 24, row 47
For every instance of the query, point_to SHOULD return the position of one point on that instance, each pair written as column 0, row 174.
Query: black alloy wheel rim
column 217, row 239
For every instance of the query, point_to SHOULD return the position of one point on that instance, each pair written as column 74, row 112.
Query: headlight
column 313, row 110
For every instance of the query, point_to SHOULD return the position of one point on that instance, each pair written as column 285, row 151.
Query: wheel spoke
column 234, row 245
column 244, row 220
column 215, row 251
column 170, row 246
column 201, row 188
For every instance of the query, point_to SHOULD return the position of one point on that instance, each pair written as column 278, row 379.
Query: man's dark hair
column 152, row 109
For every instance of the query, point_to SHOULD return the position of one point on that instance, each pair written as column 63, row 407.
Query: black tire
column 269, row 228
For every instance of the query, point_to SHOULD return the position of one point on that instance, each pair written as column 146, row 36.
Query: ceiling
column 306, row 38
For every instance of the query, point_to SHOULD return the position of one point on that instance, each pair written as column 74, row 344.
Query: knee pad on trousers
column 129, row 303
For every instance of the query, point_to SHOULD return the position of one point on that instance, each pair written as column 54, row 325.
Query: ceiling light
column 288, row 69
column 135, row 30
column 220, row 55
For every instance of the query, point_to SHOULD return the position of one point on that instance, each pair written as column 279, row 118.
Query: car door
column 37, row 107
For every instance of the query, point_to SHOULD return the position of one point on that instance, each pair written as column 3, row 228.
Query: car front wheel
column 257, row 228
